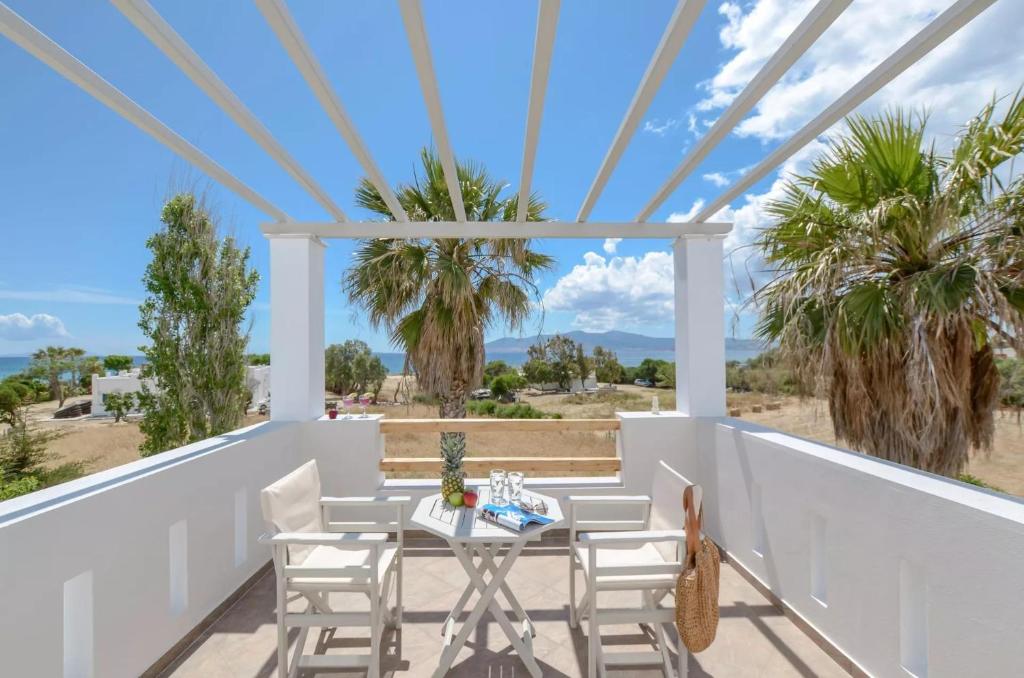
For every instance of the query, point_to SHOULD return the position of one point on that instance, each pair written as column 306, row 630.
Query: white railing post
column 700, row 326
column 296, row 328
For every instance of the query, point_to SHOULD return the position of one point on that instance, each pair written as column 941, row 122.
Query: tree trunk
column 453, row 406
column 56, row 390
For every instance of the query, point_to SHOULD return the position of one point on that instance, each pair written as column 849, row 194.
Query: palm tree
column 896, row 268
column 436, row 297
column 51, row 363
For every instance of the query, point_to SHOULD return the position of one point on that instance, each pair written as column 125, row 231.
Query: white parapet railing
column 102, row 576
column 903, row 572
column 642, row 439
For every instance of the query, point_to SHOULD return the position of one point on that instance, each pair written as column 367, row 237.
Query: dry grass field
column 101, row 444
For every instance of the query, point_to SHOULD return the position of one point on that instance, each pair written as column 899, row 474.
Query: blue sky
column 82, row 187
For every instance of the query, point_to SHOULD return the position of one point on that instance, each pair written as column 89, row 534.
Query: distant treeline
column 766, row 373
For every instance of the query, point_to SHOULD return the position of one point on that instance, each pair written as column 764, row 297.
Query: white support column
column 296, row 328
column 700, row 326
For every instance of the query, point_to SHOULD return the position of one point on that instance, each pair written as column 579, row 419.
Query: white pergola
column 296, row 247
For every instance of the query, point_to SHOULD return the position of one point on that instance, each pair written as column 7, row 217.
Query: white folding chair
column 648, row 560
column 316, row 557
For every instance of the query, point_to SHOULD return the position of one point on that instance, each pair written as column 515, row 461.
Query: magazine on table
column 512, row 517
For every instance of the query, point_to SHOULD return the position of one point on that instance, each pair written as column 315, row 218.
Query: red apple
column 469, row 498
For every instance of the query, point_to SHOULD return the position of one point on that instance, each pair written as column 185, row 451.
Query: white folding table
column 469, row 535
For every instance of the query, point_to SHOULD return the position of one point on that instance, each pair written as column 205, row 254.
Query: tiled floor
column 754, row 638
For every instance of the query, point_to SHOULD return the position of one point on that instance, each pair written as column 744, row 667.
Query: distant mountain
column 613, row 340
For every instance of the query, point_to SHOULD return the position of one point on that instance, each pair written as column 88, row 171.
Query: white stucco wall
column 892, row 566
column 830, row 532
column 575, row 384
column 117, row 525
column 257, row 379
column 123, row 382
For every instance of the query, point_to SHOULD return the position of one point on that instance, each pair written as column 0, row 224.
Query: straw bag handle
column 694, row 521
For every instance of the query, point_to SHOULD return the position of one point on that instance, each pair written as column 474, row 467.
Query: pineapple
column 453, row 449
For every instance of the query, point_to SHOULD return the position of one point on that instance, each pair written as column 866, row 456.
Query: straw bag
column 697, row 588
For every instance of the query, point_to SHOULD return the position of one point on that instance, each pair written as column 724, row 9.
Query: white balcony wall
column 156, row 540
column 128, row 561
column 348, row 452
column 906, row 573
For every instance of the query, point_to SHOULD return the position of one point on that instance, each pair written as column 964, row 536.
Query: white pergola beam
column 287, row 31
column 543, row 47
column 493, row 229
column 26, row 36
column 416, row 31
column 679, row 26
column 930, row 37
column 810, row 29
column 167, row 40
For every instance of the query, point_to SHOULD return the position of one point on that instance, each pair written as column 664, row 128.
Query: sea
column 12, row 364
column 395, row 361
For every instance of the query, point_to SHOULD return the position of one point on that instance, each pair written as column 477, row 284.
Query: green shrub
column 23, row 453
column 619, row 398
column 766, row 373
column 975, row 480
column 491, row 408
column 16, row 488
column 118, row 363
column 481, row 407
column 10, row 402
column 518, row 411
column 119, row 404
column 25, row 383
column 48, row 477
column 496, row 368
column 23, row 450
column 504, row 386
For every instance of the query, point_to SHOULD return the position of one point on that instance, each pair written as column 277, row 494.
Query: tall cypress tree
column 199, row 288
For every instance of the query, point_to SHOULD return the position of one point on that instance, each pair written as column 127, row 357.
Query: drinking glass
column 515, row 487
column 498, row 480
column 363, row 402
column 347, row 402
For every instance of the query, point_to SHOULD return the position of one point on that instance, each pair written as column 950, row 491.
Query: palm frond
column 436, row 297
column 892, row 265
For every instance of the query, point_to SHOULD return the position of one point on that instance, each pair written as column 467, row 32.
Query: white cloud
column 20, row 327
column 621, row 292
column 688, row 215
column 691, row 125
column 69, row 295
column 611, row 244
column 952, row 82
column 660, row 128
column 717, row 178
